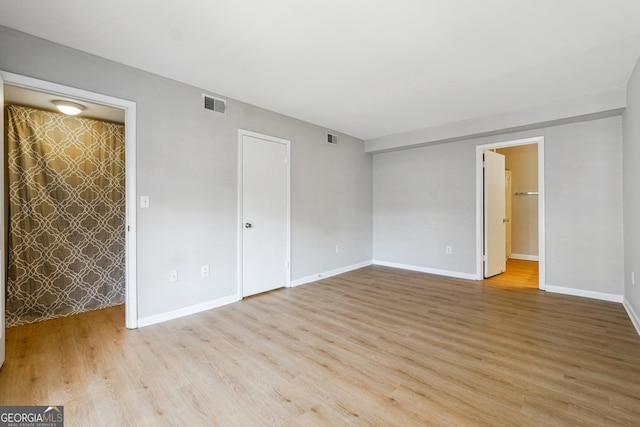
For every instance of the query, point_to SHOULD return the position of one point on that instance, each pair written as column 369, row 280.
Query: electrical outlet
column 448, row 250
column 337, row 248
column 633, row 277
column 173, row 276
column 204, row 271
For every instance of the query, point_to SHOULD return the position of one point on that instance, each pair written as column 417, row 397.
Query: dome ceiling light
column 68, row 108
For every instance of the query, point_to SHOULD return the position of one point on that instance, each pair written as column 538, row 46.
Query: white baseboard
column 456, row 274
column 582, row 293
column 163, row 317
column 525, row 257
column 320, row 276
column 635, row 319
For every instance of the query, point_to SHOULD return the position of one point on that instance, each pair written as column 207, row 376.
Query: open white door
column 494, row 214
column 3, row 226
column 507, row 214
column 265, row 213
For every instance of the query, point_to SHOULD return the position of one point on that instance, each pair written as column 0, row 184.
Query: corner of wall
column 315, row 277
column 635, row 319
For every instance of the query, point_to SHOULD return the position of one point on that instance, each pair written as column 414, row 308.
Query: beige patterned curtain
column 66, row 179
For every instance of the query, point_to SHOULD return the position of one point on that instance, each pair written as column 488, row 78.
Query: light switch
column 144, row 201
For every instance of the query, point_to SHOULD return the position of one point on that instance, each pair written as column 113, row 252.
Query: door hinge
column 287, row 263
column 128, row 228
column 484, row 257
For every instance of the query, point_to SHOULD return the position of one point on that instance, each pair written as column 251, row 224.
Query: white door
column 265, row 213
column 507, row 214
column 2, row 230
column 494, row 214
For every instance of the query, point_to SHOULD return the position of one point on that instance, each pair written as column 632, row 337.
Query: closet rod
column 527, row 193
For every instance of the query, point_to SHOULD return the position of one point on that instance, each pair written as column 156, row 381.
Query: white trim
column 239, row 220
column 287, row 143
column 447, row 273
column 525, row 257
column 185, row 311
column 635, row 319
column 539, row 140
column 320, row 276
column 131, row 297
column 583, row 293
column 542, row 239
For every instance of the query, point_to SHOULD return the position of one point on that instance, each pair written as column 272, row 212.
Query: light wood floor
column 377, row 346
column 520, row 274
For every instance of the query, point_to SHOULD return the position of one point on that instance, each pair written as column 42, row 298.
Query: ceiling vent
column 214, row 104
column 332, row 139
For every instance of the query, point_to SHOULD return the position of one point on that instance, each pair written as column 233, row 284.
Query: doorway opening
column 27, row 91
column 522, row 240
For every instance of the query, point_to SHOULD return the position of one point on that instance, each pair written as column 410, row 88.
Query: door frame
column 3, row 234
column 539, row 141
column 129, row 107
column 242, row 133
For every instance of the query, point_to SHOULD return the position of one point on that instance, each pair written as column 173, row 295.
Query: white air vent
column 214, row 104
column 332, row 139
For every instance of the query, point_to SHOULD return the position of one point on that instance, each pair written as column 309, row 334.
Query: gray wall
column 522, row 161
column 187, row 163
column 631, row 151
column 424, row 199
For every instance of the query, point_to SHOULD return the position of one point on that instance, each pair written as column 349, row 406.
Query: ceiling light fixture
column 69, row 108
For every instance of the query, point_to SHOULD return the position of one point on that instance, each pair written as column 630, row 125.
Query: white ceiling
column 368, row 68
column 44, row 101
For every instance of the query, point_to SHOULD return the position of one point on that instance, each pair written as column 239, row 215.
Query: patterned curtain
column 66, row 178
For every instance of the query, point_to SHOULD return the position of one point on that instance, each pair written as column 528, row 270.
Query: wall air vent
column 332, row 139
column 214, row 104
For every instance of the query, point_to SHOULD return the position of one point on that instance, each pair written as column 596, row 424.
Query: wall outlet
column 337, row 248
column 633, row 277
column 448, row 250
column 204, row 271
column 173, row 276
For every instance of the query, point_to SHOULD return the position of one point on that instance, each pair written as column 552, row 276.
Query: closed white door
column 494, row 214
column 265, row 213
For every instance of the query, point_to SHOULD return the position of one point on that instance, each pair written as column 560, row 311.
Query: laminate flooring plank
column 376, row 346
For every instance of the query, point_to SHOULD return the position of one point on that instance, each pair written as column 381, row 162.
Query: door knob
column 247, row 225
